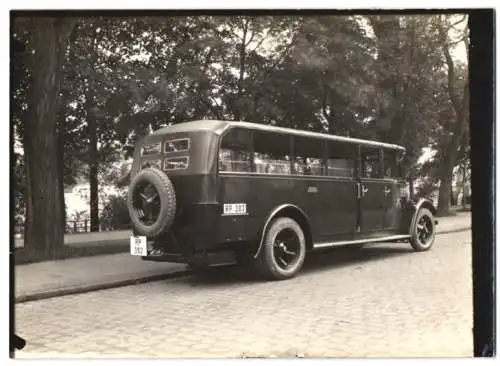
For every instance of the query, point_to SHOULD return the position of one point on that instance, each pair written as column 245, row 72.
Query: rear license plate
column 138, row 245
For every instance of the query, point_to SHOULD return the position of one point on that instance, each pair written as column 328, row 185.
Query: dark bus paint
column 331, row 210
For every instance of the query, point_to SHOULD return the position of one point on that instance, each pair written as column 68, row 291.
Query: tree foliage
column 386, row 77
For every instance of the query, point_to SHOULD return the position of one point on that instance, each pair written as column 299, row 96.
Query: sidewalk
column 58, row 278
column 88, row 239
column 462, row 221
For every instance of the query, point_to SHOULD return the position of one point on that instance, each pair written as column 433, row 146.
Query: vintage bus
column 216, row 192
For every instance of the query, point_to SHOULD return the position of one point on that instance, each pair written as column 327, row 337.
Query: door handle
column 387, row 191
column 364, row 190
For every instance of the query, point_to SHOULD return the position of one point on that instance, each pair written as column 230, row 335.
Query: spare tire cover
column 138, row 202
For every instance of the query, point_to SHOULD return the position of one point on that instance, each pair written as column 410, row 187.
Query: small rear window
column 177, row 145
column 176, row 163
column 151, row 149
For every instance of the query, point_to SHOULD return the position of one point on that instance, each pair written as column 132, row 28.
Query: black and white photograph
column 241, row 184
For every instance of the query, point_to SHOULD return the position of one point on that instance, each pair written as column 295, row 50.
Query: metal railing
column 79, row 227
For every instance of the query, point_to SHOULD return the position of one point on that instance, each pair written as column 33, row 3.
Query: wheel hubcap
column 146, row 203
column 286, row 249
column 424, row 230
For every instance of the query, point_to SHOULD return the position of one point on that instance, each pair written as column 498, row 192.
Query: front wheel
column 283, row 251
column 423, row 232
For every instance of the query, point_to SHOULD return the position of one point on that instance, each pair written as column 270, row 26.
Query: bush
column 115, row 215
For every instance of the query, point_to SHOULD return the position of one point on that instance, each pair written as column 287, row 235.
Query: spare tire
column 151, row 202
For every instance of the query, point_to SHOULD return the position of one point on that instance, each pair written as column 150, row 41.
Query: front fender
column 410, row 210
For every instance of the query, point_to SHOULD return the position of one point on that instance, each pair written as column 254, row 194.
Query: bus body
column 213, row 192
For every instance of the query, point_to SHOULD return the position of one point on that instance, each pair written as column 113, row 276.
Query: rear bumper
column 191, row 239
column 166, row 257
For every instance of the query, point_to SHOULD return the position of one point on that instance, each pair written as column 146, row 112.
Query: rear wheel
column 283, row 251
column 424, row 232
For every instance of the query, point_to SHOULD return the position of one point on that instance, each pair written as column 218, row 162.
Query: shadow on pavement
column 351, row 257
column 315, row 262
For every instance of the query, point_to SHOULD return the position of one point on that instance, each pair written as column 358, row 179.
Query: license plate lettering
column 138, row 245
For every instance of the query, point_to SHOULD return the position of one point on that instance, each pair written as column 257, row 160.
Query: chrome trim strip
column 362, row 241
column 269, row 218
column 304, row 177
column 225, row 172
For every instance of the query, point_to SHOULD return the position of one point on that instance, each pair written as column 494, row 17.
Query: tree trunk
column 461, row 110
column 444, row 197
column 44, row 230
column 238, row 114
column 60, row 146
column 28, row 209
column 93, row 161
column 28, row 212
column 464, row 182
column 453, row 201
column 446, row 169
column 410, row 180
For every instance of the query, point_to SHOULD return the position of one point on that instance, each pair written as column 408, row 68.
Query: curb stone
column 133, row 281
column 454, row 230
column 97, row 287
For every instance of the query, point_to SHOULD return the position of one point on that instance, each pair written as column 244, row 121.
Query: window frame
column 250, row 152
column 158, row 145
column 165, row 161
column 381, row 152
column 396, row 164
column 165, row 144
column 293, row 150
column 356, row 156
column 289, row 154
column 361, row 170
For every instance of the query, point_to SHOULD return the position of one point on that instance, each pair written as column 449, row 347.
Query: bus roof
column 219, row 127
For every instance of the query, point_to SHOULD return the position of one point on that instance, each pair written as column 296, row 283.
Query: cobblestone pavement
column 378, row 301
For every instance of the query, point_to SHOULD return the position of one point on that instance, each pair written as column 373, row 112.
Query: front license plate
column 138, row 245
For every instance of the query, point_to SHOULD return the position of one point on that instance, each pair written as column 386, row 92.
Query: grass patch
column 27, row 256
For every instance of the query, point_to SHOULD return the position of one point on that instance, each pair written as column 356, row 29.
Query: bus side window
column 271, row 153
column 340, row 159
column 370, row 162
column 235, row 152
column 309, row 155
column 390, row 164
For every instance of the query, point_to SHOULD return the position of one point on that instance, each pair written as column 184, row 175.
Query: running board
column 362, row 241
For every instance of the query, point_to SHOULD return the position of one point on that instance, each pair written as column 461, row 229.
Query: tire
column 289, row 232
column 167, row 198
column 422, row 238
